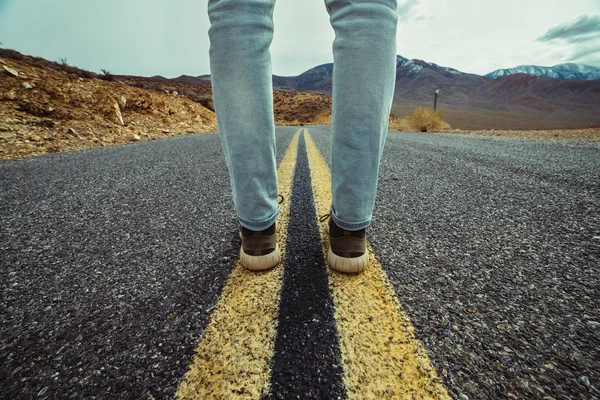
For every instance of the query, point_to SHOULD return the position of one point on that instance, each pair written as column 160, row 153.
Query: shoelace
column 324, row 217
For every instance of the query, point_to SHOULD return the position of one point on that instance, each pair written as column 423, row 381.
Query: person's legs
column 240, row 34
column 364, row 74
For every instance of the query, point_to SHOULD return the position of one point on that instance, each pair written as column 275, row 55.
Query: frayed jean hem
column 349, row 226
column 259, row 225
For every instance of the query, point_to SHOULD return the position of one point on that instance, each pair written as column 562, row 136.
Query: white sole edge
column 260, row 263
column 349, row 265
column 345, row 264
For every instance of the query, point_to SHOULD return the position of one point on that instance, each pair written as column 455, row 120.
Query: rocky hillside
column 290, row 107
column 47, row 107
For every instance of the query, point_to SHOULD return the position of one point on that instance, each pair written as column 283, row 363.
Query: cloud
column 585, row 52
column 575, row 41
column 582, row 29
column 419, row 10
column 407, row 9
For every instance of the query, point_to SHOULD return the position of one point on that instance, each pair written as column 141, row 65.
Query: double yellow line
column 232, row 359
column 381, row 356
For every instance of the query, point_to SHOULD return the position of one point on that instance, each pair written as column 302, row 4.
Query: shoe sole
column 260, row 263
column 348, row 265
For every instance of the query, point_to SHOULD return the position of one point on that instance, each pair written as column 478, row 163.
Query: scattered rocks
column 45, row 122
column 594, row 324
column 7, row 134
column 11, row 95
column 118, row 113
column 36, row 109
column 11, row 71
column 48, row 103
column 592, row 134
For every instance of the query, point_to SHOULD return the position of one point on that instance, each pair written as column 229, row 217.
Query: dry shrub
column 423, row 120
column 398, row 124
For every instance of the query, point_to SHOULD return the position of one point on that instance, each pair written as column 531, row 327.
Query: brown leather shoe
column 347, row 249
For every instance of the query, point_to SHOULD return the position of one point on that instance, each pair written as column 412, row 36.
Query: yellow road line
column 232, row 359
column 381, row 354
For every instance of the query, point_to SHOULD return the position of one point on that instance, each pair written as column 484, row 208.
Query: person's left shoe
column 259, row 249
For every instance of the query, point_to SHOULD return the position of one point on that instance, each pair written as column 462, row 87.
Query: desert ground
column 49, row 107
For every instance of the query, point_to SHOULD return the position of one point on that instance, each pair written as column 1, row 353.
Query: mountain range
column 515, row 95
column 560, row 71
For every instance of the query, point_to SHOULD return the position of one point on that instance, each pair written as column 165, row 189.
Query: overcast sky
column 170, row 37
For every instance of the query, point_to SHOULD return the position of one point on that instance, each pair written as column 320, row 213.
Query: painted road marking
column 381, row 355
column 233, row 356
column 306, row 362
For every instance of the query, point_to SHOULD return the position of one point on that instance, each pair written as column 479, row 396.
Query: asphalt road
column 113, row 259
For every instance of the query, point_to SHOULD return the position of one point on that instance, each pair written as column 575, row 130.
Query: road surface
column 119, row 275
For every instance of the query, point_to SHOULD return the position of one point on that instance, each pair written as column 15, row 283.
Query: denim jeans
column 364, row 74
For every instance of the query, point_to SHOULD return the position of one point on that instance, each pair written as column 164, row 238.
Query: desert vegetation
column 420, row 120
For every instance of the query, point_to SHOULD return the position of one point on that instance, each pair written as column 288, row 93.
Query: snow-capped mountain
column 526, row 89
column 561, row 71
column 319, row 78
column 415, row 66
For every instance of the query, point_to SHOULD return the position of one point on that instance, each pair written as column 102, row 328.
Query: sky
column 170, row 37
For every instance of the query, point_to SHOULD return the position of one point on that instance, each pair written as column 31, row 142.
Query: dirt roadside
column 48, row 107
column 584, row 134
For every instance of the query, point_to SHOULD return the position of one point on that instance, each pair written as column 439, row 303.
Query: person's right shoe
column 347, row 249
column 259, row 249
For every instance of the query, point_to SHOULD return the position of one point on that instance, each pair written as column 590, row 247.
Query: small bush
column 423, row 120
column 206, row 102
column 63, row 65
column 107, row 75
column 397, row 124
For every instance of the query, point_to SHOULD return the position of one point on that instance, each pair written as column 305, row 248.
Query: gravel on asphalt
column 112, row 260
column 493, row 247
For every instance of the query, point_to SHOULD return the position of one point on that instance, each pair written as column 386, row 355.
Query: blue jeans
column 364, row 74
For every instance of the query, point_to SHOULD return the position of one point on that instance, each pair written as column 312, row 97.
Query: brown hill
column 290, row 107
column 48, row 107
column 471, row 101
